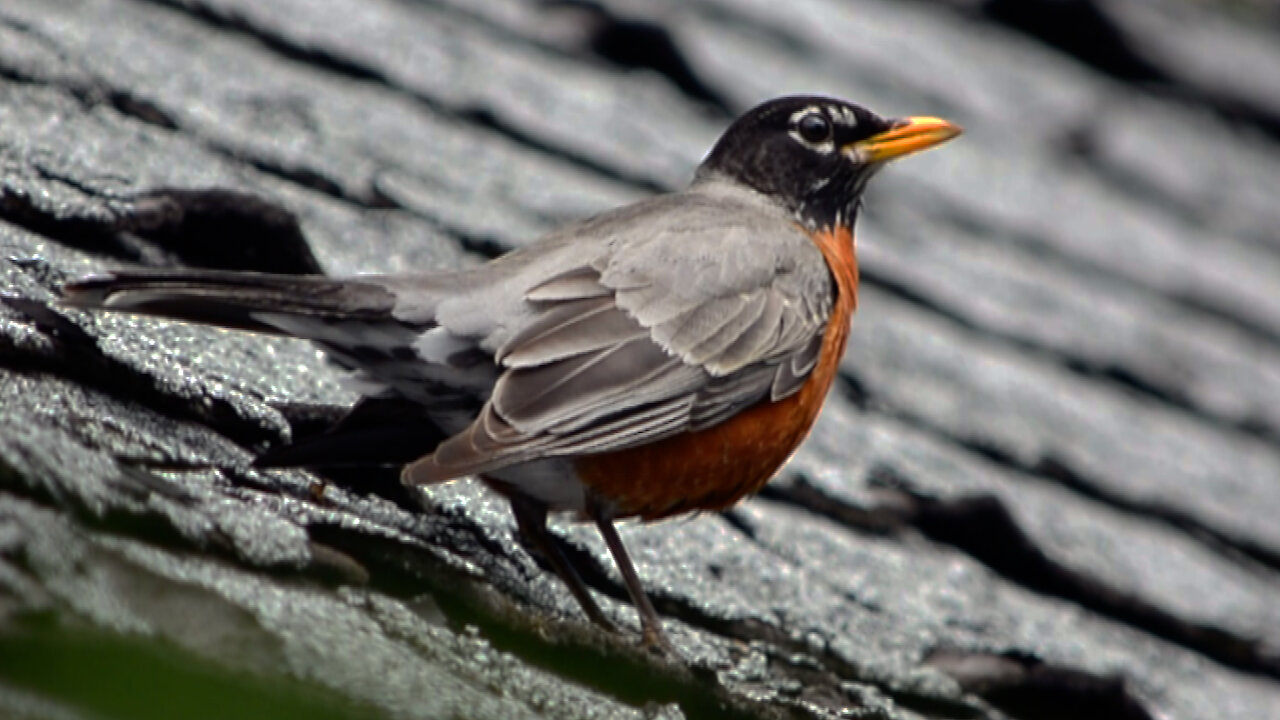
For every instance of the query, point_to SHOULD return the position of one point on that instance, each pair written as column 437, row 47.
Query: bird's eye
column 815, row 128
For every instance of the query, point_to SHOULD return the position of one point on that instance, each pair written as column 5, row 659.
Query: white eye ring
column 813, row 128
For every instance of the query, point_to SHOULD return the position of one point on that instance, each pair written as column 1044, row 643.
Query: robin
column 662, row 358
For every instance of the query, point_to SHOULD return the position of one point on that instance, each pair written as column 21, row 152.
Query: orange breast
column 714, row 468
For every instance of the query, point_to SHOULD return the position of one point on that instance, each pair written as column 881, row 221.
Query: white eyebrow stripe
column 795, row 116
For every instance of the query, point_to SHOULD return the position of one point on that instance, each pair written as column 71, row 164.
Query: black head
column 815, row 154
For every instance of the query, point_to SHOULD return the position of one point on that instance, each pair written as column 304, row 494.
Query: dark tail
column 232, row 299
column 352, row 319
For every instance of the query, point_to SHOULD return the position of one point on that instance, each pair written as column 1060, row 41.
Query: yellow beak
column 908, row 135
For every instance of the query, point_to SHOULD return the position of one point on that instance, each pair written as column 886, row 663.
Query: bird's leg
column 650, row 624
column 531, row 518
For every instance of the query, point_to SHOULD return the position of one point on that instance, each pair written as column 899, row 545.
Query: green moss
column 113, row 675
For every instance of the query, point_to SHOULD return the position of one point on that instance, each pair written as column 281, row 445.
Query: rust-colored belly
column 715, row 467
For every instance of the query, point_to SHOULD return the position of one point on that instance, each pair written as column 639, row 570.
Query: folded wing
column 658, row 336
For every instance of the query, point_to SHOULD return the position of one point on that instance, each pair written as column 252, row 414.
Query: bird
column 662, row 358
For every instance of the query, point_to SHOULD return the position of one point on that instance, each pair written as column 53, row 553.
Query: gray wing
column 650, row 337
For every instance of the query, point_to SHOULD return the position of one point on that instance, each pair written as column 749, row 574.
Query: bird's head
column 814, row 155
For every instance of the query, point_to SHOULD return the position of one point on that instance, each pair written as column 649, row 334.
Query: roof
column 1048, row 477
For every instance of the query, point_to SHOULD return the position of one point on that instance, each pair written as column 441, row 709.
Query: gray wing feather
column 718, row 287
column 568, row 329
column 565, row 396
column 739, row 321
column 791, row 374
column 645, row 337
column 723, row 397
column 576, row 285
column 490, row 444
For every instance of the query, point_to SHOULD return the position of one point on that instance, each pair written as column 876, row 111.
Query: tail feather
column 232, row 299
column 418, row 386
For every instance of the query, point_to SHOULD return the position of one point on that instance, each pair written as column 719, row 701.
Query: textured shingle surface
column 1048, row 480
